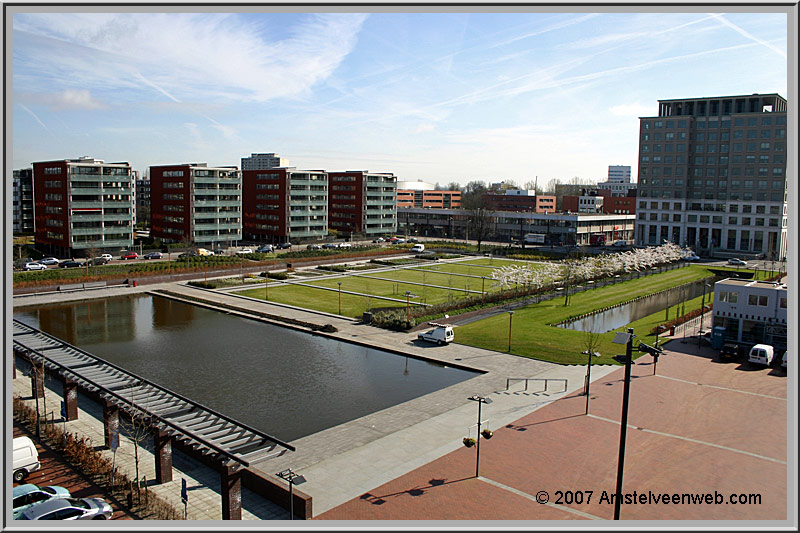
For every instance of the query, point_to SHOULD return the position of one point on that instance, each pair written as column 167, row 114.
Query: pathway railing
column 545, row 380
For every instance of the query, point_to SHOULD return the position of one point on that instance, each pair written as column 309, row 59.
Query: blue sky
column 432, row 96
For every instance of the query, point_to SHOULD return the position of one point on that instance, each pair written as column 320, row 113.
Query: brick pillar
column 162, row 444
column 71, row 399
column 231, row 482
column 110, row 422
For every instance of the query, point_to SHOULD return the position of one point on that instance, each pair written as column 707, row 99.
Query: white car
column 48, row 261
column 34, row 266
column 107, row 257
column 345, row 245
column 440, row 334
column 245, row 251
column 737, row 262
column 761, row 354
column 690, row 257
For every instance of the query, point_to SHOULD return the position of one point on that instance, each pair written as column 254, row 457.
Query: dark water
column 619, row 316
column 286, row 383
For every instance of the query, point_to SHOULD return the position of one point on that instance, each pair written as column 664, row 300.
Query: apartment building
column 599, row 201
column 22, row 201
column 362, row 202
column 195, row 203
column 143, row 201
column 712, row 175
column 521, row 200
column 285, row 204
column 752, row 312
column 263, row 161
column 81, row 206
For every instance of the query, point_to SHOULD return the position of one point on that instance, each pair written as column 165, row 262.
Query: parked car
column 153, row 255
column 204, row 252
column 330, row 245
column 187, row 254
column 129, row 255
column 26, row 458
column 265, row 249
column 379, row 240
column 761, row 354
column 97, row 261
column 245, row 251
column 107, row 257
column 731, row 351
column 313, row 247
column 28, row 495
column 48, row 261
column 440, row 334
column 418, row 248
column 737, row 262
column 400, row 241
column 69, row 509
column 392, row 240
column 284, row 246
column 345, row 245
column 69, row 264
column 618, row 244
column 783, row 359
column 34, row 266
column 690, row 257
column 413, row 240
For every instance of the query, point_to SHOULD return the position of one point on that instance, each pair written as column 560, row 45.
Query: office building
column 285, row 205
column 196, row 204
column 362, row 202
column 712, row 175
column 521, row 200
column 263, row 161
column 619, row 181
column 143, row 201
column 22, row 202
column 430, row 199
column 751, row 311
column 82, row 206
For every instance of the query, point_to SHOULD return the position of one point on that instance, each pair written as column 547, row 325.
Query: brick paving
column 698, row 426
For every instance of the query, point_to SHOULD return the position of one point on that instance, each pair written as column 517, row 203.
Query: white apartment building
column 751, row 312
column 263, row 161
column 619, row 180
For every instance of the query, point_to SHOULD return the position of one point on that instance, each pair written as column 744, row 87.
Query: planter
column 487, row 434
column 469, row 442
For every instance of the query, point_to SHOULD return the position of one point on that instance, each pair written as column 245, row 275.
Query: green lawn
column 532, row 337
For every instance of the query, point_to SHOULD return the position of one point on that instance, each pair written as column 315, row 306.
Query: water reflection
column 620, row 316
column 286, row 383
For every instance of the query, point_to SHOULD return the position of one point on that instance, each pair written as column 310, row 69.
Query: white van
column 418, row 248
column 26, row 458
column 440, row 334
column 761, row 354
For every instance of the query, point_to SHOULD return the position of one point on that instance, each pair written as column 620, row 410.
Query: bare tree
column 137, row 425
column 591, row 340
column 476, row 205
column 453, row 186
column 552, row 185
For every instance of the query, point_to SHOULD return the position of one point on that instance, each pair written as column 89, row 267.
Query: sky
column 438, row 97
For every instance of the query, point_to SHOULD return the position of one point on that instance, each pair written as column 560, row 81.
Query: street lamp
column 627, row 339
column 510, row 317
column 589, row 376
column 340, row 296
column 266, row 285
column 480, row 400
column 409, row 295
column 702, row 312
column 293, row 479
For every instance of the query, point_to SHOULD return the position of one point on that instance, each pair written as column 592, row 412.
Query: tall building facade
column 432, row 199
column 619, row 181
column 263, row 161
column 521, row 200
column 196, row 203
column 712, row 175
column 82, row 205
column 143, row 201
column 362, row 202
column 22, row 202
column 285, row 204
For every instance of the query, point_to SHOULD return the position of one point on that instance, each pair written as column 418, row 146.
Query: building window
column 172, row 185
column 172, row 174
column 756, row 299
column 53, row 197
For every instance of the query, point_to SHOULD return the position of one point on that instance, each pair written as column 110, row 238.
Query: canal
column 286, row 383
column 616, row 317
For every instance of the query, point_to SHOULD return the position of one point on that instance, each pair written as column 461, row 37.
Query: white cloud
column 425, row 127
column 76, row 99
column 632, row 110
column 185, row 56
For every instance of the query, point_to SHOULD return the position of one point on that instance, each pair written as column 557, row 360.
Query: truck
column 440, row 334
column 534, row 238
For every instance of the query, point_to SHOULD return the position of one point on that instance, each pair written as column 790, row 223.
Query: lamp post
column 480, row 400
column 340, row 296
column 266, row 285
column 702, row 312
column 627, row 339
column 510, row 317
column 293, row 479
column 589, row 376
column 483, row 283
column 409, row 295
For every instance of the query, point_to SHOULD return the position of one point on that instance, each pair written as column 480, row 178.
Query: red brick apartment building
column 283, row 204
column 600, row 202
column 522, row 202
column 362, row 202
column 430, row 199
column 82, row 205
column 196, row 203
